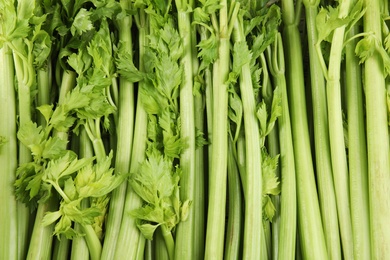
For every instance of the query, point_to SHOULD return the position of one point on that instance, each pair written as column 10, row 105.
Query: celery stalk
column 287, row 231
column 309, row 218
column 377, row 139
column 323, row 161
column 336, row 135
column 217, row 176
column 185, row 233
column 8, row 157
column 131, row 243
column 125, row 129
column 357, row 153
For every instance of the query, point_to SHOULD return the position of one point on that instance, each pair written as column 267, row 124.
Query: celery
column 357, row 152
column 125, row 129
column 185, row 233
column 8, row 156
column 309, row 219
column 377, row 137
column 321, row 134
column 287, row 233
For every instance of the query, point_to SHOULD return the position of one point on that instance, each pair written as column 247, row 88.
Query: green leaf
column 149, row 213
column 30, row 134
column 153, row 181
column 168, row 77
column 46, row 110
column 25, row 9
column 262, row 116
column 276, row 109
column 185, row 209
column 200, row 139
column 41, row 48
column 53, row 148
column 268, row 209
column 327, row 21
column 82, row 22
column 98, row 180
column 208, row 50
column 270, row 182
column 126, row 67
column 365, row 48
column 70, row 189
column 51, row 217
column 148, row 230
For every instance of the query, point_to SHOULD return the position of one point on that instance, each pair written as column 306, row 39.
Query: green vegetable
column 203, row 129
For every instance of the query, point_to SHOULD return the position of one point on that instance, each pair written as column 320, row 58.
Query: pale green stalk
column 377, row 139
column 8, row 157
column 93, row 242
column 309, row 217
column 234, row 230
column 41, row 239
column 357, row 152
column 125, row 129
column 169, row 242
column 24, row 87
column 149, row 252
column 185, row 232
column 199, row 202
column 336, row 135
column 131, row 243
column 79, row 250
column 253, row 203
column 61, row 248
column 44, row 82
column 323, row 161
column 217, row 176
column 160, row 250
column 286, row 232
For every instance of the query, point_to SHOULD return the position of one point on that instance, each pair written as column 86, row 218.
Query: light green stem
column 234, row 231
column 218, row 177
column 336, row 135
column 125, row 129
column 357, row 153
column 131, row 243
column 93, row 242
column 287, row 231
column 377, row 139
column 8, row 158
column 169, row 242
column 185, row 232
column 309, row 217
column 327, row 196
column 253, row 203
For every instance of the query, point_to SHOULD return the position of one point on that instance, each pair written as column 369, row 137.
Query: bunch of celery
column 210, row 129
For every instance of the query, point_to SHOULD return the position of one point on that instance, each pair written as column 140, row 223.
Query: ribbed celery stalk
column 41, row 239
column 327, row 197
column 253, row 217
column 309, row 218
column 8, row 157
column 336, row 134
column 25, row 76
column 200, row 186
column 218, row 171
column 234, row 231
column 131, row 243
column 125, row 129
column 287, row 231
column 79, row 250
column 377, row 138
column 357, row 152
column 185, row 232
